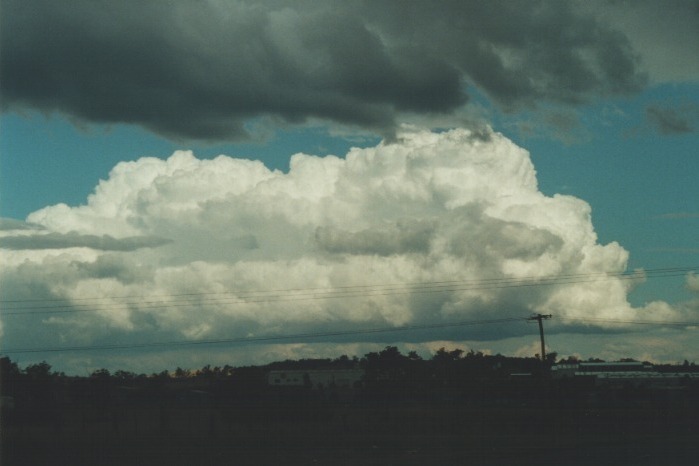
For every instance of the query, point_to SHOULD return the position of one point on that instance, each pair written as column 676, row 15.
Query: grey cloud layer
column 74, row 240
column 400, row 238
column 203, row 69
column 10, row 224
column 667, row 32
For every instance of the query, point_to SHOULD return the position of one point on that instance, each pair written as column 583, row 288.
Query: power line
column 479, row 282
column 311, row 335
column 671, row 323
column 298, row 336
column 306, row 294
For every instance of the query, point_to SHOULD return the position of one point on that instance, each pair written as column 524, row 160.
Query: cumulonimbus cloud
column 225, row 64
column 434, row 228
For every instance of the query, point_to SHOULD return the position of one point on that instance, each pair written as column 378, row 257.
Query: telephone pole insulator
column 539, row 318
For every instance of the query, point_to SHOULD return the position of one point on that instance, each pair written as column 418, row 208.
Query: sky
column 188, row 183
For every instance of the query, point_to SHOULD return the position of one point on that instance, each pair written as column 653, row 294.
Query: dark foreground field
column 366, row 433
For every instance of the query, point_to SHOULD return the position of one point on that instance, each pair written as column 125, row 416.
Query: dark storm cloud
column 75, row 240
column 666, row 33
column 669, row 121
column 203, row 70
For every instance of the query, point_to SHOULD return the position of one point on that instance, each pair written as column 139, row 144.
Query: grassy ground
column 339, row 434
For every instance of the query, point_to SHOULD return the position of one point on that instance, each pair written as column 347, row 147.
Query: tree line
column 388, row 373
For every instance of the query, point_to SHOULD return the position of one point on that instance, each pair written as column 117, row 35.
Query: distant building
column 316, row 379
column 614, row 367
column 619, row 373
column 597, row 368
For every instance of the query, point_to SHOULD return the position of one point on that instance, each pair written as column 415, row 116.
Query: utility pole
column 539, row 318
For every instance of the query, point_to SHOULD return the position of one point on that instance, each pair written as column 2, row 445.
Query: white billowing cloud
column 693, row 282
column 334, row 244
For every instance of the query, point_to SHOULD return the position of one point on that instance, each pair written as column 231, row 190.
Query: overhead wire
column 665, row 323
column 30, row 306
column 318, row 335
column 258, row 339
column 345, row 292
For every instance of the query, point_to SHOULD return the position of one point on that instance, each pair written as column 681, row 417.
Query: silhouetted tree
column 181, row 373
column 101, row 386
column 444, row 356
column 205, row 371
column 569, row 360
column 413, row 356
column 37, row 383
column 9, row 377
column 39, row 371
column 125, row 376
column 227, row 371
